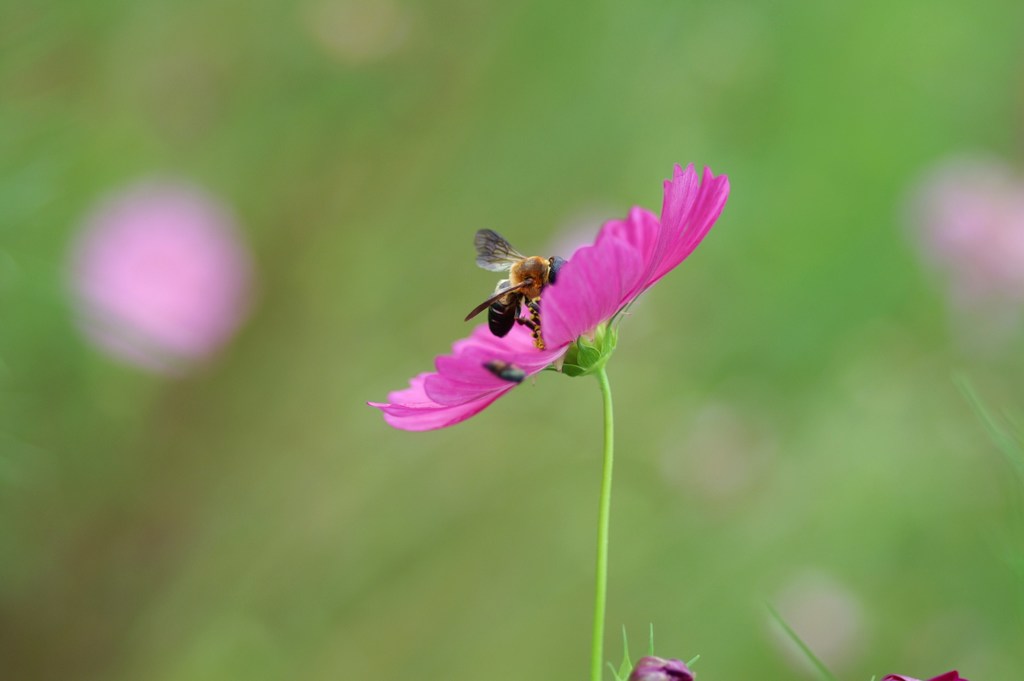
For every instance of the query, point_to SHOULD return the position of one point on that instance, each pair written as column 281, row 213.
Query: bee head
column 554, row 266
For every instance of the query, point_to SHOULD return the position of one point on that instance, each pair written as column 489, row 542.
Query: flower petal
column 591, row 288
column 462, row 387
column 451, row 392
column 641, row 230
column 433, row 419
column 687, row 214
column 412, row 409
column 631, row 255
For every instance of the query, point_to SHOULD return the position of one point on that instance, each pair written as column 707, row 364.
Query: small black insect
column 505, row 371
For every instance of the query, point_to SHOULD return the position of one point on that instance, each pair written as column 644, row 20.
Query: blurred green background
column 788, row 429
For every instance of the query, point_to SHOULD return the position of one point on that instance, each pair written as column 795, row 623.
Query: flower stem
column 604, row 513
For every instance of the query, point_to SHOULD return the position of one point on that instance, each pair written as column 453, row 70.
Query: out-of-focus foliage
column 788, row 427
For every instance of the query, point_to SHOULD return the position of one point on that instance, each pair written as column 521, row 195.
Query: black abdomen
column 501, row 317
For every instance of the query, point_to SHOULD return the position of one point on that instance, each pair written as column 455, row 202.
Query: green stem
column 604, row 513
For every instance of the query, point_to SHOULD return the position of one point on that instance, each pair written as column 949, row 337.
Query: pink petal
column 412, row 409
column 591, row 288
column 680, row 193
column 515, row 348
column 462, row 387
column 631, row 255
column 642, row 230
column 687, row 215
column 432, row 418
column 451, row 392
column 677, row 202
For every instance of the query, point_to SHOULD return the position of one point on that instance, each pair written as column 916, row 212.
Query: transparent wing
column 493, row 252
column 502, row 290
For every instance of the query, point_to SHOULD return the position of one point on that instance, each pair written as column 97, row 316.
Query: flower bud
column 658, row 669
column 589, row 355
column 948, row 676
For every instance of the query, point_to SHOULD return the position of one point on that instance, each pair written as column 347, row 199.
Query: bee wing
column 493, row 252
column 497, row 294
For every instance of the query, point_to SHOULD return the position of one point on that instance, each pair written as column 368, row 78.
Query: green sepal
column 589, row 355
column 627, row 662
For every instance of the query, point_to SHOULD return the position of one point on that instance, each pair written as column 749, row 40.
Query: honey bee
column 527, row 277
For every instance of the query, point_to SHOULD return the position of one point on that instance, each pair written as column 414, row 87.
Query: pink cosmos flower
column 948, row 676
column 160, row 276
column 598, row 281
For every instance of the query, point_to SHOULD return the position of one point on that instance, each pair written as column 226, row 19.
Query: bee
column 505, row 371
column 527, row 277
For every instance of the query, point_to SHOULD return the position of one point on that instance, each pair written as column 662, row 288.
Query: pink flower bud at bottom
column 948, row 676
column 658, row 669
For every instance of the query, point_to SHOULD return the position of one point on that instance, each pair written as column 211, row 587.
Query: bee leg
column 534, row 307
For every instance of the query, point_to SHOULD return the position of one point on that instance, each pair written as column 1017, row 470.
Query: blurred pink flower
column 160, row 276
column 627, row 258
column 948, row 676
column 658, row 669
column 969, row 216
